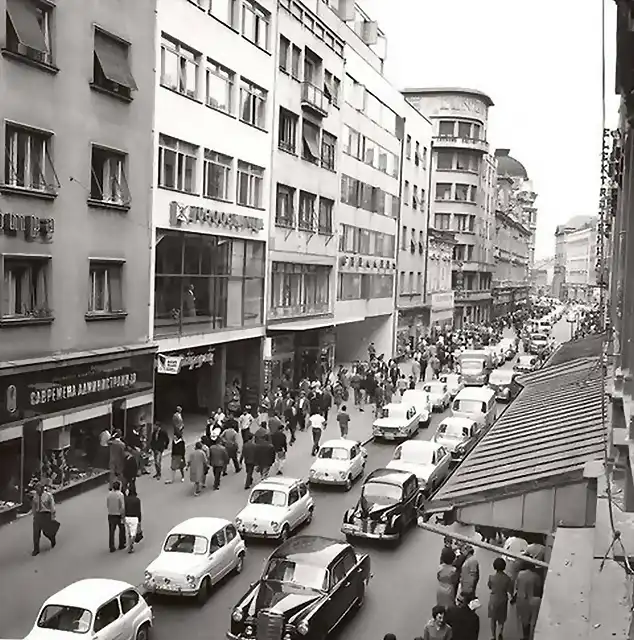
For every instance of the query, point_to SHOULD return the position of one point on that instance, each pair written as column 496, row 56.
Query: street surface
column 400, row 596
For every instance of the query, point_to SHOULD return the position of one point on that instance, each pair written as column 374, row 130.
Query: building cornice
column 513, row 222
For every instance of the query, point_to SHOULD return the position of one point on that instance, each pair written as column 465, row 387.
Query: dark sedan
column 504, row 383
column 309, row 585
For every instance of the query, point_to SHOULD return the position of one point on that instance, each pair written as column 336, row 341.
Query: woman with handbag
column 132, row 518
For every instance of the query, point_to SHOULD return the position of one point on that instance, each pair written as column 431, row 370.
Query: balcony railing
column 299, row 311
column 462, row 143
column 313, row 98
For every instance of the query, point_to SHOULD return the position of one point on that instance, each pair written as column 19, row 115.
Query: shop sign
column 174, row 363
column 34, row 394
column 185, row 214
column 30, row 227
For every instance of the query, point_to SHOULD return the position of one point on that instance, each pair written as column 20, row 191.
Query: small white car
column 397, row 421
column 95, row 608
column 438, row 394
column 277, row 506
column 456, row 434
column 422, row 403
column 454, row 383
column 430, row 462
column 339, row 462
column 526, row 363
column 196, row 554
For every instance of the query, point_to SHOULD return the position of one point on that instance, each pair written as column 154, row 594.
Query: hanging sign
column 168, row 364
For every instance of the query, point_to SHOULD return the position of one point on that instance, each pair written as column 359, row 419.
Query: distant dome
column 508, row 166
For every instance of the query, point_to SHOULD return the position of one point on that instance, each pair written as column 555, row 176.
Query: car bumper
column 358, row 532
column 165, row 590
column 389, row 435
column 335, row 482
column 248, row 532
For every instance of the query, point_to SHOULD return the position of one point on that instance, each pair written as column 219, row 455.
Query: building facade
column 213, row 139
column 412, row 302
column 463, row 191
column 438, row 282
column 74, row 237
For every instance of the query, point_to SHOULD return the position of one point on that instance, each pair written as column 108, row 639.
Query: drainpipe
column 397, row 248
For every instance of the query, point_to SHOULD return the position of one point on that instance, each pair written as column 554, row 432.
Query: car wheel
column 143, row 632
column 239, row 564
column 285, row 533
column 309, row 516
column 204, row 591
column 348, row 484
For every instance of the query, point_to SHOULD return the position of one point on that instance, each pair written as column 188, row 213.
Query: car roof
column 455, row 421
column 475, row 393
column 199, row 526
column 389, row 476
column 527, row 356
column 89, row 593
column 318, row 551
column 419, row 444
column 279, row 482
column 342, row 443
column 506, row 372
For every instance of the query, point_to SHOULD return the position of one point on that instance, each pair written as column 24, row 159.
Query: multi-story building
column 412, row 302
column 213, row 126
column 438, row 282
column 76, row 131
column 463, row 191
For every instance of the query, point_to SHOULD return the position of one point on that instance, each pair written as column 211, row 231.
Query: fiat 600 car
column 309, row 585
column 397, row 421
column 387, row 506
column 339, row 462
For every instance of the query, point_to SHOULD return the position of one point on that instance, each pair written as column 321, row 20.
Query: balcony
column 453, row 142
column 314, row 100
column 299, row 311
column 465, row 295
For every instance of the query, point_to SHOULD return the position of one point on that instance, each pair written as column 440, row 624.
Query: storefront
column 441, row 311
column 410, row 329
column 52, row 413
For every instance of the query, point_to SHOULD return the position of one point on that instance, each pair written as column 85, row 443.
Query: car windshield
column 63, row 618
column 334, row 453
column 268, row 496
column 500, row 377
column 381, row 493
column 472, row 365
column 470, row 406
column 304, row 575
column 415, row 455
column 452, row 431
column 186, row 543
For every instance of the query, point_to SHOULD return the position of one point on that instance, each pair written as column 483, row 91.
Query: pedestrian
column 448, row 577
column 463, row 620
column 159, row 441
column 275, row 424
column 244, row 422
column 501, row 587
column 115, row 503
column 249, row 457
column 317, row 424
column 44, row 522
column 262, row 432
column 411, row 383
column 326, row 402
column 177, row 421
column 116, row 457
column 290, row 415
column 401, row 385
column 527, row 598
column 437, row 628
column 303, row 411
column 343, row 419
column 229, row 440
column 218, row 459
column 278, row 440
column 196, row 464
column 416, row 369
column 265, row 456
column 469, row 572
column 132, row 506
column 130, row 472
column 178, row 458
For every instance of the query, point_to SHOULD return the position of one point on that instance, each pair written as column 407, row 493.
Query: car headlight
column 311, row 472
column 275, row 525
column 191, row 579
column 342, row 474
column 237, row 616
column 303, row 628
column 147, row 575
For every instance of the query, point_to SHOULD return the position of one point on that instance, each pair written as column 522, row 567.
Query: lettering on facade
column 464, row 105
column 31, row 227
column 184, row 214
column 56, row 392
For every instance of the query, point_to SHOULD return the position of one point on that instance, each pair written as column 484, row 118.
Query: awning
column 24, row 18
column 113, row 61
column 301, row 325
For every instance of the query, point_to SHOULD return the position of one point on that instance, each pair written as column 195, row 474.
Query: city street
column 404, row 579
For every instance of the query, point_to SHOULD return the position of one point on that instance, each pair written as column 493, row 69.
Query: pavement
column 400, row 597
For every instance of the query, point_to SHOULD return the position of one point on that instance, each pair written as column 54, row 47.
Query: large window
column 354, row 286
column 217, row 175
column 29, row 30
column 179, row 67
column 324, row 225
column 252, row 104
column 177, row 164
column 443, row 191
column 25, row 288
column 219, row 83
column 306, row 221
column 299, row 289
column 446, row 128
column 365, row 196
column 444, row 160
column 108, row 180
column 287, row 136
column 105, row 293
column 250, row 181
column 111, row 65
column 328, row 151
column 256, row 24
column 207, row 280
column 285, row 207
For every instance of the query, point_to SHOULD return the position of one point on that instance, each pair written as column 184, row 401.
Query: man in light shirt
column 317, row 424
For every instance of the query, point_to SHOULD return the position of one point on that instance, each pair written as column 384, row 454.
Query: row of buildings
column 200, row 199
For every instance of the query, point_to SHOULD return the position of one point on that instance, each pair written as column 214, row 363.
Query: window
column 252, row 104
column 28, row 30
column 296, row 62
column 306, row 211
column 179, row 67
column 287, row 136
column 105, row 291
column 417, row 154
column 444, row 160
column 108, row 181
column 108, row 614
column 404, row 238
column 284, row 54
column 225, row 10
column 230, row 532
column 415, row 197
column 331, row 88
column 217, row 175
column 219, row 83
column 328, row 151
column 324, row 224
column 299, row 289
column 364, row 242
column 406, row 192
column 443, row 191
column 461, row 222
column 464, row 129
column 250, row 180
column 310, row 142
column 462, row 192
column 284, row 208
column 401, row 282
column 177, row 164
column 408, row 148
column 442, row 221
column 25, row 288
column 446, row 128
column 255, row 24
column 472, row 223
column 111, row 67
column 129, row 599
column 28, row 162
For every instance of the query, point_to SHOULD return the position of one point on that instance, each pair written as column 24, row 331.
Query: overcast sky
column 540, row 61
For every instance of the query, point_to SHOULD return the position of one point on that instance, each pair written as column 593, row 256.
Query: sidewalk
column 82, row 548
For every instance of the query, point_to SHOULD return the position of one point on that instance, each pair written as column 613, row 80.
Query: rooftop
column 460, row 91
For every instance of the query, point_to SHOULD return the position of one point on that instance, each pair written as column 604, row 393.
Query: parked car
column 397, row 421
column 386, row 508
column 430, row 462
column 309, row 585
column 457, row 435
column 526, row 364
column 277, row 506
column 454, row 382
column 94, row 608
column 196, row 554
column 422, row 403
column 339, row 462
column 539, row 343
column 438, row 394
column 504, row 383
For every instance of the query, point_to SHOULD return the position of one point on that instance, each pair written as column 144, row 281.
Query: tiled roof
column 552, row 429
column 550, row 373
column 589, row 347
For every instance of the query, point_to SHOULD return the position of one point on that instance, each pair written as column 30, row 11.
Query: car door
column 412, row 420
column 356, row 462
column 294, row 508
column 217, row 556
column 109, row 623
column 410, row 489
column 230, row 548
column 343, row 592
column 130, row 604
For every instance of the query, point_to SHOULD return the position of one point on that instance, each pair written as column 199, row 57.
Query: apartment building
column 77, row 87
column 463, row 191
column 302, row 247
column 439, row 291
column 214, row 129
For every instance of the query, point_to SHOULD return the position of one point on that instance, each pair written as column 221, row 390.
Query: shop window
column 10, row 474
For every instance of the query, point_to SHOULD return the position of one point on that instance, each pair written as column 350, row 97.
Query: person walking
column 132, row 509
column 326, row 402
column 278, row 440
column 130, row 472
column 197, row 464
column 448, row 578
column 527, row 598
column 117, row 457
column 401, row 385
column 249, row 458
column 265, row 456
column 218, row 460
column 469, row 572
column 463, row 620
column 290, row 416
column 115, row 503
column 177, row 421
column 343, row 419
column 500, row 587
column 303, row 410
column 437, row 628
column 44, row 522
column 317, row 424
column 244, row 422
column 159, row 441
column 178, row 458
column 229, row 440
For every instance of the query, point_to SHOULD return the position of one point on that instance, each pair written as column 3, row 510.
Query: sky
column 540, row 62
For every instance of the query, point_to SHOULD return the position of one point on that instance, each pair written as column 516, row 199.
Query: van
column 477, row 403
column 475, row 366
